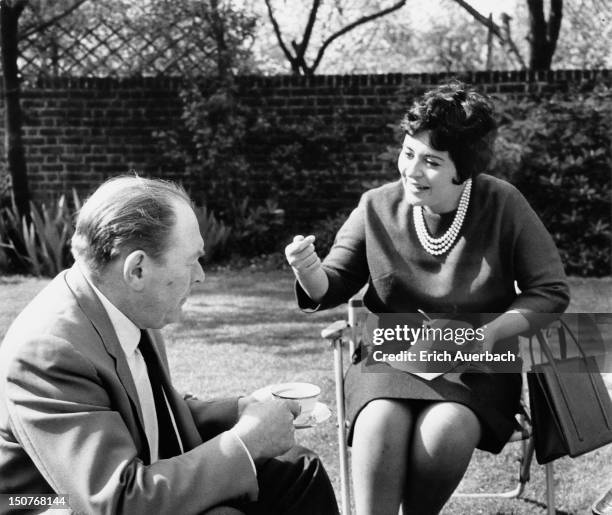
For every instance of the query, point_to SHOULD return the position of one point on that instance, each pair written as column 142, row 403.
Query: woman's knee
column 454, row 422
column 446, row 433
column 381, row 415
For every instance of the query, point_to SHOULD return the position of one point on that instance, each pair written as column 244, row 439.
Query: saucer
column 318, row 415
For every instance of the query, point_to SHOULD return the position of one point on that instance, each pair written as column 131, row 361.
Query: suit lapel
column 94, row 310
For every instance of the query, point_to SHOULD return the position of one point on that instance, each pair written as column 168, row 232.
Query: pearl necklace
column 441, row 245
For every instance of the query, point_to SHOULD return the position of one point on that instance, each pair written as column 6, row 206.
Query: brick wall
column 80, row 131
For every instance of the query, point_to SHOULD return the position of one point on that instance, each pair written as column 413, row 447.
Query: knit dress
column 501, row 241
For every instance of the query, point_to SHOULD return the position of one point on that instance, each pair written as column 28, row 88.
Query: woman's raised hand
column 301, row 254
column 306, row 265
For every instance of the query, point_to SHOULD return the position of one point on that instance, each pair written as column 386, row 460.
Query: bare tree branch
column 487, row 22
column 312, row 17
column 508, row 37
column 278, row 34
column 42, row 26
column 502, row 33
column 351, row 26
column 554, row 24
column 489, row 44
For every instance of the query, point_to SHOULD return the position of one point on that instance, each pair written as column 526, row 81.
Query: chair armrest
column 335, row 330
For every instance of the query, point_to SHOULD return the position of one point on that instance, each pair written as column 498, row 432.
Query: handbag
column 571, row 410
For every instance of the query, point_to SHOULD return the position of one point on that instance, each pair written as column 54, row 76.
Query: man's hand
column 266, row 428
column 301, row 254
column 243, row 402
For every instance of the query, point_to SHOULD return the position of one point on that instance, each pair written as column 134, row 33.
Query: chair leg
column 527, row 447
column 550, row 489
column 341, row 418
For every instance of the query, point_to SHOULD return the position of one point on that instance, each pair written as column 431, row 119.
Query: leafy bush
column 251, row 168
column 38, row 245
column 214, row 233
column 558, row 152
column 209, row 147
column 257, row 229
column 325, row 232
column 241, row 161
column 303, row 162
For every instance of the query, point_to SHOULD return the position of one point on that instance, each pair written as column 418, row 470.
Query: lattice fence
column 118, row 38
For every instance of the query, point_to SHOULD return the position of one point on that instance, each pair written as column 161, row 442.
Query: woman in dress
column 444, row 238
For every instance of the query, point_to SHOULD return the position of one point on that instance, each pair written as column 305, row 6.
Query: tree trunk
column 13, row 131
column 223, row 55
column 543, row 34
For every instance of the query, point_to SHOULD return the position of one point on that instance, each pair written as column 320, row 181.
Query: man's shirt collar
column 127, row 332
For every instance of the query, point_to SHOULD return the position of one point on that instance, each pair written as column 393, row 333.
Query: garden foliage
column 558, row 152
column 38, row 245
column 555, row 149
column 258, row 173
column 258, row 179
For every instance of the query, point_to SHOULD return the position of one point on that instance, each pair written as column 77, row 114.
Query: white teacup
column 306, row 394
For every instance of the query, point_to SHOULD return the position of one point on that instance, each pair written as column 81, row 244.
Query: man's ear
column 133, row 269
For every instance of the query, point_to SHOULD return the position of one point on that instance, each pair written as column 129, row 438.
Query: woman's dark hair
column 460, row 122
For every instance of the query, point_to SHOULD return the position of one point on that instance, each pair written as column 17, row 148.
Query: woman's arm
column 509, row 324
column 538, row 269
column 343, row 272
column 539, row 274
column 306, row 266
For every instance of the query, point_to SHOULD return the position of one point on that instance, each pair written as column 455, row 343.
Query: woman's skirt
column 493, row 397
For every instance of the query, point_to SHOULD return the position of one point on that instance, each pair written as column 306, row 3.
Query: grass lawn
column 242, row 331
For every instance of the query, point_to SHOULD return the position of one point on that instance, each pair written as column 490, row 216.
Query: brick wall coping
column 391, row 79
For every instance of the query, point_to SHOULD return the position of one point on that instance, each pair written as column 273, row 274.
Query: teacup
column 306, row 394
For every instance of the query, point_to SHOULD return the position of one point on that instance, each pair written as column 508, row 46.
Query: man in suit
column 87, row 407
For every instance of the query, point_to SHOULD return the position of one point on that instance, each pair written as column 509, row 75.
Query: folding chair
column 347, row 332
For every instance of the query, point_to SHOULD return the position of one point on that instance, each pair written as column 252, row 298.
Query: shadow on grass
column 257, row 312
column 543, row 505
column 242, row 330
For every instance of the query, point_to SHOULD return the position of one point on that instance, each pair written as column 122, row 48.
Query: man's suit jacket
column 70, row 420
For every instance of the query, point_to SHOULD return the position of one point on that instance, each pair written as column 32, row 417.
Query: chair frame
column 343, row 332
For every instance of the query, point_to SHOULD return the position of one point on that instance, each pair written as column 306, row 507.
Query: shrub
column 241, row 161
column 257, row 229
column 214, row 233
column 302, row 162
column 325, row 232
column 558, row 152
column 209, row 147
column 38, row 245
column 251, row 168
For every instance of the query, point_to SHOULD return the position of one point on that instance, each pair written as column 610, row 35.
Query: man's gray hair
column 126, row 213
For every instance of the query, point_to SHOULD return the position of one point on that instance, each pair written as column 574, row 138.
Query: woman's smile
column 415, row 187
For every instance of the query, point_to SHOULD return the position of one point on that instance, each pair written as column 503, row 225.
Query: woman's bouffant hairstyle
column 126, row 213
column 459, row 121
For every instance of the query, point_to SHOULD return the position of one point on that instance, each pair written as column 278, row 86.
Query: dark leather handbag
column 571, row 409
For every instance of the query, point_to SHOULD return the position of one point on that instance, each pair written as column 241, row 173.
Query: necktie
column 168, row 441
